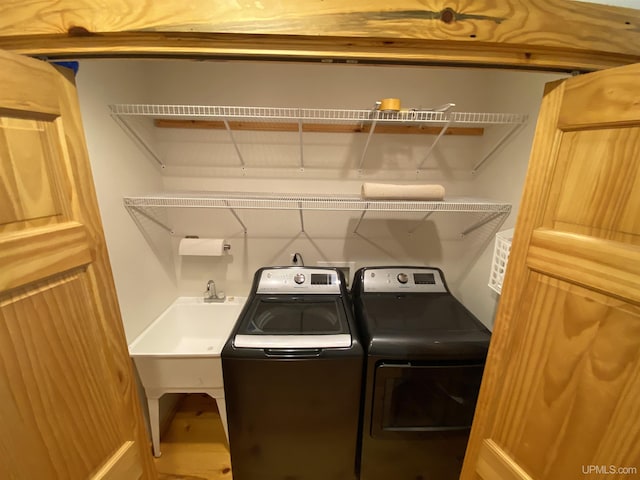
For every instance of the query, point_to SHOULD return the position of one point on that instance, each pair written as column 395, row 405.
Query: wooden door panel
column 62, row 388
column 603, row 265
column 493, row 462
column 25, row 162
column 68, row 405
column 562, row 382
column 18, row 95
column 125, row 463
column 596, row 101
column 572, row 388
column 30, row 164
column 38, row 235
column 600, row 177
column 44, row 252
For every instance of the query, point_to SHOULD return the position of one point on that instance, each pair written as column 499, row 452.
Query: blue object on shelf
column 70, row 65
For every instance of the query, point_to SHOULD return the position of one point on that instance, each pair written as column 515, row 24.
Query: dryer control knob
column 299, row 278
column 403, row 277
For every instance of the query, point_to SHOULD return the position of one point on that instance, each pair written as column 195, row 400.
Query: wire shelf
column 148, row 205
column 318, row 115
column 434, row 122
column 295, row 201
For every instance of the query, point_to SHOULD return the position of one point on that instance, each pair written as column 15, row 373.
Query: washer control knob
column 299, row 278
column 403, row 278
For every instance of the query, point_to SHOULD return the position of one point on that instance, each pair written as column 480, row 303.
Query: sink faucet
column 210, row 294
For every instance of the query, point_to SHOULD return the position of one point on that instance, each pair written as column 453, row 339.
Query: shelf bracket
column 233, row 139
column 151, row 218
column 480, row 223
column 435, row 142
column 366, row 145
column 124, row 124
column 500, row 142
column 301, row 143
column 355, row 230
column 233, row 212
column 428, row 214
column 301, row 217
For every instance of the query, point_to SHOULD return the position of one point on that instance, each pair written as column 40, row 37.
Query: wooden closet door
column 560, row 396
column 68, row 405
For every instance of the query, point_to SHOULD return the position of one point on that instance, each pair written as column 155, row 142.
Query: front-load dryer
column 425, row 354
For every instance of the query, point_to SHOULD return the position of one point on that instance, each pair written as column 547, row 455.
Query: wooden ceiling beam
column 536, row 34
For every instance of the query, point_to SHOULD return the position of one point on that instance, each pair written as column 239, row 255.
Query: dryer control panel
column 299, row 280
column 399, row 279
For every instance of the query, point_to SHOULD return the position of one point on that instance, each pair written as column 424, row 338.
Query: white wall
column 144, row 277
column 503, row 177
column 330, row 166
column 205, row 160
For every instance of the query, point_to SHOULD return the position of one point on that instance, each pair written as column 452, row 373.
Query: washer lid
column 294, row 321
column 292, row 341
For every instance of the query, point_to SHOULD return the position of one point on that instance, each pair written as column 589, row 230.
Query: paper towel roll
column 209, row 247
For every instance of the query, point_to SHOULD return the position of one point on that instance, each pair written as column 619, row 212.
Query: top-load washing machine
column 425, row 357
column 292, row 371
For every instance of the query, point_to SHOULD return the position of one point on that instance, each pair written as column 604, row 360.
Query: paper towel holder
column 226, row 246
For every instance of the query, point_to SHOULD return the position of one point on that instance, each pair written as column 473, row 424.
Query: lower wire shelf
column 232, row 201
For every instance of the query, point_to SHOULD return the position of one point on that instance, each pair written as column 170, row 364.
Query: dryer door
column 412, row 399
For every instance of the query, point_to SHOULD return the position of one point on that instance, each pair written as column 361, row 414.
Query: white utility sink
column 180, row 352
column 189, row 327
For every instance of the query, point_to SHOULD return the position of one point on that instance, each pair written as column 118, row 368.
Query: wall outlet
column 347, row 268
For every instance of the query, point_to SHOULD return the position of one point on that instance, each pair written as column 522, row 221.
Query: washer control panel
column 299, row 280
column 398, row 279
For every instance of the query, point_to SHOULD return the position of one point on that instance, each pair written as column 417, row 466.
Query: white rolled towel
column 386, row 191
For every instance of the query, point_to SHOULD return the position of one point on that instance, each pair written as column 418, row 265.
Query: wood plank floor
column 194, row 446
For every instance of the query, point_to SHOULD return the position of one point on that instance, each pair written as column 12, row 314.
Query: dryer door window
column 415, row 399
